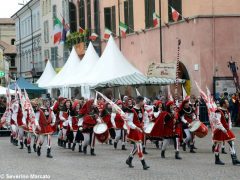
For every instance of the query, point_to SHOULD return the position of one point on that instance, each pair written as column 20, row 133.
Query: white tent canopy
column 112, row 64
column 67, row 72
column 88, row 62
column 3, row 91
column 47, row 75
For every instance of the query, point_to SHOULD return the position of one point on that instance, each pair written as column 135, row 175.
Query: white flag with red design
column 175, row 14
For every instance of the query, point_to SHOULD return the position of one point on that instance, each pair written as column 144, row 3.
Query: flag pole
column 160, row 30
column 120, row 43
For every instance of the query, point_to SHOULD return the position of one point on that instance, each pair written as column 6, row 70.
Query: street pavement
column 109, row 164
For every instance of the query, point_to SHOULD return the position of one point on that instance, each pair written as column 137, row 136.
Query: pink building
column 209, row 38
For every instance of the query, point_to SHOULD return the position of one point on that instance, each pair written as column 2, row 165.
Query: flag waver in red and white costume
column 136, row 132
column 45, row 121
column 118, row 124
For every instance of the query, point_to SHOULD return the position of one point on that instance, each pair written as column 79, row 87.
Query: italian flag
column 123, row 28
column 57, row 31
column 107, row 33
column 175, row 14
column 93, row 36
column 155, row 19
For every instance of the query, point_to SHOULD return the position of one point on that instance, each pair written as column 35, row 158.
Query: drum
column 199, row 129
column 101, row 132
column 149, row 127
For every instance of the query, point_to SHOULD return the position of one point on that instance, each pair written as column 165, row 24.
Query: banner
column 162, row 70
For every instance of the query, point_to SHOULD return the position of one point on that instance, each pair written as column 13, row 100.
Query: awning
column 137, row 79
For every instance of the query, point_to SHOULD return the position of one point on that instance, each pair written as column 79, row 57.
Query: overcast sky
column 9, row 7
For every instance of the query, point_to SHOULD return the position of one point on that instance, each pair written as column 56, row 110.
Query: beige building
column 50, row 9
column 7, row 30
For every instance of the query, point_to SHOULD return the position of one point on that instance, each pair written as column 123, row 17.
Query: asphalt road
column 110, row 163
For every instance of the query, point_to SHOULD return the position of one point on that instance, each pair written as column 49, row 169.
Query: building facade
column 51, row 9
column 7, row 30
column 29, row 59
column 209, row 33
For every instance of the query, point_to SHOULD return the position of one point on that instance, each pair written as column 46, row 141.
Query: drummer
column 187, row 116
column 171, row 129
column 135, row 121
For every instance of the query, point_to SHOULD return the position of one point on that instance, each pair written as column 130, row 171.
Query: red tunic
column 219, row 135
column 134, row 134
column 107, row 120
column 44, row 123
column 119, row 121
column 88, row 123
column 19, row 117
column 65, row 115
column 75, row 123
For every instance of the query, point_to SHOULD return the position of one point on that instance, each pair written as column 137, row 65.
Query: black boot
column 49, row 153
column 25, row 142
column 16, row 143
column 115, row 145
column 110, row 142
column 191, row 149
column 163, row 154
column 85, row 150
column 145, row 166
column 29, row 149
column 80, row 148
column 59, row 142
column 124, row 148
column 34, row 147
column 92, row 152
column 11, row 139
column 213, row 148
column 177, row 155
column 21, row 145
column 39, row 150
column 223, row 151
column 64, row 144
column 129, row 161
column 184, row 146
column 144, row 151
column 73, row 146
column 157, row 144
column 218, row 161
column 69, row 145
column 235, row 160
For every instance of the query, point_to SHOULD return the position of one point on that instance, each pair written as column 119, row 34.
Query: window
column 12, row 62
column 177, row 5
column 89, row 15
column 128, row 15
column 96, row 16
column 46, row 31
column 110, row 18
column 46, row 54
column 72, row 17
column 54, row 56
column 38, row 20
column 54, row 13
column 149, row 10
column 81, row 14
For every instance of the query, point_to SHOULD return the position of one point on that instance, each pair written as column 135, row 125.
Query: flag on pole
column 81, row 30
column 175, row 14
column 93, row 37
column 137, row 92
column 123, row 28
column 170, row 97
column 65, row 30
column 57, row 31
column 107, row 33
column 155, row 19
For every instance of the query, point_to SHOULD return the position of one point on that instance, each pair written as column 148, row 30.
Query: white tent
column 47, row 75
column 67, row 72
column 3, row 91
column 112, row 64
column 88, row 62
